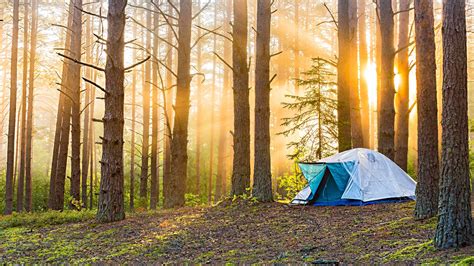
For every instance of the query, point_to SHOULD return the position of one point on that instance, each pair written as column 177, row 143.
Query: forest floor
column 233, row 232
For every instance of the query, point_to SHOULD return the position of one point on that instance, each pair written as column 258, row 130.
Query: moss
column 465, row 261
column 411, row 252
column 58, row 251
column 45, row 218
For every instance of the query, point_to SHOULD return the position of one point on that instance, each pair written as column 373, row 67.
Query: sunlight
column 397, row 80
column 370, row 75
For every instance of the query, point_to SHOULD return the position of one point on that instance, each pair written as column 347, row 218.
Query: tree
column 179, row 141
column 454, row 227
column 364, row 91
column 314, row 114
column 168, row 111
column 146, row 117
column 428, row 165
column 343, row 79
column 241, row 134
column 74, row 88
column 12, row 111
column 133, row 127
column 20, row 192
column 403, row 93
column 87, row 118
column 213, row 99
column 69, row 83
column 199, row 90
column 386, row 139
column 62, row 106
column 223, row 112
column 31, row 91
column 155, row 168
column 356, row 123
column 262, row 186
column 111, row 197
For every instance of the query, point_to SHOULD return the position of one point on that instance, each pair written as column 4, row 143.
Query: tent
column 355, row 177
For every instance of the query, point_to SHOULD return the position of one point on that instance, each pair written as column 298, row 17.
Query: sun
column 370, row 75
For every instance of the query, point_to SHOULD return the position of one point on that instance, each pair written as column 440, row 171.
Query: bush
column 290, row 185
column 45, row 218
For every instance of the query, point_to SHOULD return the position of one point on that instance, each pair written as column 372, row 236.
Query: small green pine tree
column 314, row 123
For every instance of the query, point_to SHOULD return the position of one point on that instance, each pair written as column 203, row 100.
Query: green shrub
column 45, row 218
column 290, row 185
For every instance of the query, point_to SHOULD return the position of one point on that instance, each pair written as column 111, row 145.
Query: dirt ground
column 238, row 232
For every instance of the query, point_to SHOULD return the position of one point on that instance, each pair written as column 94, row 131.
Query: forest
column 236, row 131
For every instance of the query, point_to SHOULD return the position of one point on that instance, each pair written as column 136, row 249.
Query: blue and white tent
column 354, row 177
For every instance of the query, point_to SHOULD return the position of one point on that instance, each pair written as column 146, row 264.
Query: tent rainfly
column 356, row 177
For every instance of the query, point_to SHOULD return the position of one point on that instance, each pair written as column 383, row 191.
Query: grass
column 237, row 231
column 45, row 218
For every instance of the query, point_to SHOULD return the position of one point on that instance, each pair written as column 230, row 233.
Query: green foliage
column 45, row 218
column 192, row 200
column 291, row 185
column 411, row 252
column 314, row 118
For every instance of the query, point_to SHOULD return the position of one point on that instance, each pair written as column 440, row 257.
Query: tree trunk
column 387, row 112
column 262, row 185
column 179, row 142
column 111, row 197
column 364, row 91
column 241, row 134
column 296, row 49
column 343, row 79
column 75, row 89
column 87, row 118
column 154, row 185
column 428, row 170
column 223, row 113
column 356, row 123
column 213, row 99
column 403, row 94
column 168, row 102
column 12, row 111
column 455, row 219
column 20, row 192
column 29, row 123
column 198, row 111
column 59, row 119
column 146, row 118
column 133, row 127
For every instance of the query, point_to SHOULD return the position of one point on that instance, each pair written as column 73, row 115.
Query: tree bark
column 296, row 49
column 75, row 90
column 29, row 123
column 12, row 112
column 356, row 123
column 213, row 99
column 386, row 139
column 428, row 170
column 20, row 192
column 179, row 142
column 111, row 197
column 241, row 134
column 154, row 185
column 133, row 127
column 168, row 102
column 87, row 118
column 343, row 79
column 262, row 185
column 402, row 116
column 199, row 123
column 363, row 61
column 223, row 113
column 455, row 219
column 146, row 118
